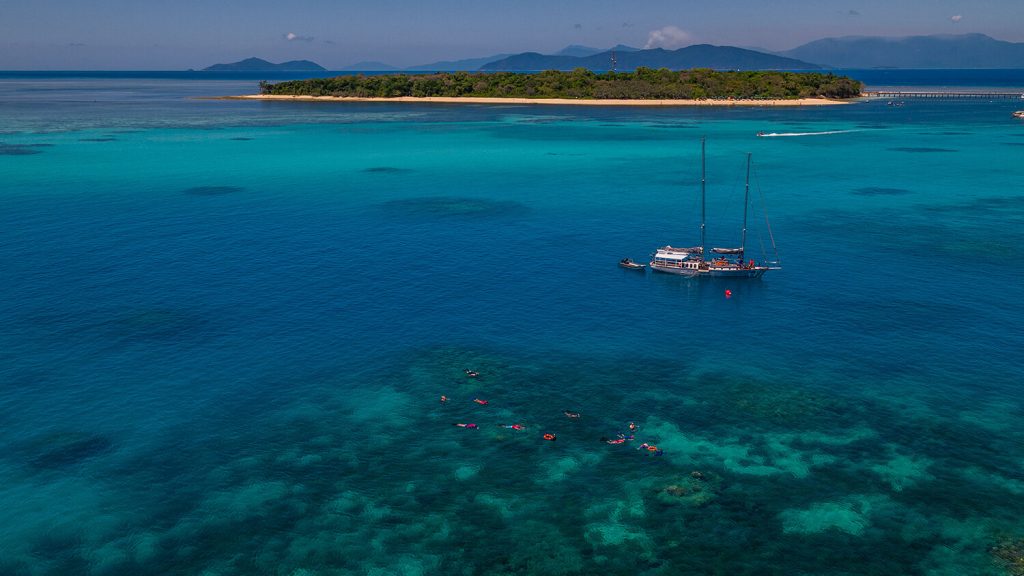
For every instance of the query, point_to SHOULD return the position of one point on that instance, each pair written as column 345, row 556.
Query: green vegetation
column 643, row 84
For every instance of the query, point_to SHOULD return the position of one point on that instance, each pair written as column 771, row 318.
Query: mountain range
column 943, row 51
column 260, row 65
column 939, row 51
column 696, row 56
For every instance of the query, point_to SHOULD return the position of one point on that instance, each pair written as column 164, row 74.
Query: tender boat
column 630, row 265
column 691, row 261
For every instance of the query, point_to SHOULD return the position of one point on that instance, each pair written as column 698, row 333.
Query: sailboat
column 692, row 262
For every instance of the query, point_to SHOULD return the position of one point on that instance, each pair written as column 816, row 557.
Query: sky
column 183, row 34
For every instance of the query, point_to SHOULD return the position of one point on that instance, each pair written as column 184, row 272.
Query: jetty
column 902, row 95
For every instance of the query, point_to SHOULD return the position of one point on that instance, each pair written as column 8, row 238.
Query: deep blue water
column 225, row 327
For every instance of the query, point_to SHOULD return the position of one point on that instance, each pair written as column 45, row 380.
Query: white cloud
column 293, row 37
column 670, row 37
column 957, row 18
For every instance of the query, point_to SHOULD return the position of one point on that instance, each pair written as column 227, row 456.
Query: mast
column 746, row 202
column 702, row 197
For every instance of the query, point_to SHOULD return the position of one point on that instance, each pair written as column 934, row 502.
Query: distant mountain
column 259, row 65
column 578, row 51
column 942, row 51
column 368, row 66
column 473, row 64
column 456, row 65
column 697, row 56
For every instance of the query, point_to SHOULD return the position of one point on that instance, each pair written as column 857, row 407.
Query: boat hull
column 688, row 272
column 754, row 272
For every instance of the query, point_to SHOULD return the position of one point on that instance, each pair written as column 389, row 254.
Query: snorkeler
column 471, row 373
column 620, row 439
column 571, row 414
column 651, row 448
column 470, row 425
column 481, row 402
column 513, row 426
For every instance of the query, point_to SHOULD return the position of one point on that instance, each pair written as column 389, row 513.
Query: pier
column 900, row 95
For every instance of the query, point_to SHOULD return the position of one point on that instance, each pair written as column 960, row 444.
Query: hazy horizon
column 145, row 35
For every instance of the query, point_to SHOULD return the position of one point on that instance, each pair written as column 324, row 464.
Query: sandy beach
column 558, row 101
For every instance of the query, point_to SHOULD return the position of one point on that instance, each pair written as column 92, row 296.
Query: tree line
column 642, row 84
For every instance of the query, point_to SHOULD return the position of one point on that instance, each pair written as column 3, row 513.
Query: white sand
column 560, row 101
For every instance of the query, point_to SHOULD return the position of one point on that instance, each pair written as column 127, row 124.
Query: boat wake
column 777, row 134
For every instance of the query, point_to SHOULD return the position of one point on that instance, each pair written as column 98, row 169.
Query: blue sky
column 181, row 34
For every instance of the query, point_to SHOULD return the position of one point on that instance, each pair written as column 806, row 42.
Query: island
column 644, row 86
column 260, row 65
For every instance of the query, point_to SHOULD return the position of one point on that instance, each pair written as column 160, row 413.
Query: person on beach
column 470, row 425
column 481, row 402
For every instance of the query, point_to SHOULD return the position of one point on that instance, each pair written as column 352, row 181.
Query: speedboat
column 630, row 265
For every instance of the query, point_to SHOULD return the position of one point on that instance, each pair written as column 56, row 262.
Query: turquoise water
column 225, row 327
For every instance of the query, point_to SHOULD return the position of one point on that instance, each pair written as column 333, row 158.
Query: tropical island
column 643, row 86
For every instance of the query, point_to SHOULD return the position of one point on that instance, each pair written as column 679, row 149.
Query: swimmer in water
column 620, row 439
column 471, row 373
column 470, row 425
column 651, row 448
column 633, row 427
column 481, row 402
column 513, row 426
column 571, row 414
column 443, row 398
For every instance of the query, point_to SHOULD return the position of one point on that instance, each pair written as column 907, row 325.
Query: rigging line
column 721, row 219
column 764, row 209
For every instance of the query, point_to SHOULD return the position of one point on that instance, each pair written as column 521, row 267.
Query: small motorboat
column 630, row 265
column 1019, row 113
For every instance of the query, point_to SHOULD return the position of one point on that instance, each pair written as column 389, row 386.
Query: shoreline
column 549, row 101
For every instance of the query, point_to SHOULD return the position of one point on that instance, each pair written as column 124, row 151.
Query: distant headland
column 700, row 86
column 260, row 65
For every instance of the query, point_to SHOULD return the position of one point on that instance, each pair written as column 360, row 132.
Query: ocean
column 226, row 326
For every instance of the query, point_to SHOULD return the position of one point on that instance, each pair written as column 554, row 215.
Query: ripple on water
column 920, row 149
column 455, row 206
column 212, row 190
column 880, row 191
column 386, row 170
